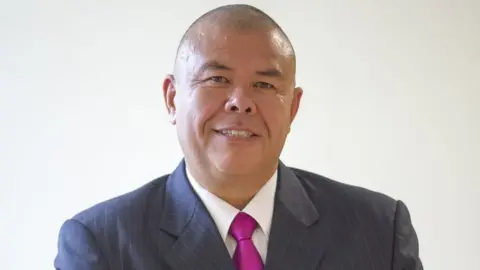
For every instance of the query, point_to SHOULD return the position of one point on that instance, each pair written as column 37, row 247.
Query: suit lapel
column 295, row 238
column 298, row 239
column 198, row 244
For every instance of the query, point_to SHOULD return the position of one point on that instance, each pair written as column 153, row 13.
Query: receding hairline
column 240, row 17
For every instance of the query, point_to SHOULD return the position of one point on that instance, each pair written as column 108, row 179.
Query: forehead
column 258, row 48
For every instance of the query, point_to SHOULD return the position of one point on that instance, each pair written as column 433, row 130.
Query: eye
column 218, row 79
column 263, row 85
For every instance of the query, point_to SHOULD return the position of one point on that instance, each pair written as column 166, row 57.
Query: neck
column 235, row 189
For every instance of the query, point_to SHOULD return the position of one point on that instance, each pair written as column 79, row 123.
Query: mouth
column 236, row 133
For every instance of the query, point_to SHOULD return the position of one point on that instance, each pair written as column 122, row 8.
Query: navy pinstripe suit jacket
column 317, row 223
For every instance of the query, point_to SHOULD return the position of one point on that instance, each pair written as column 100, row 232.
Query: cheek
column 275, row 113
column 204, row 105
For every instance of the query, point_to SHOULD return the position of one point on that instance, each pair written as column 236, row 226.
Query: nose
column 240, row 102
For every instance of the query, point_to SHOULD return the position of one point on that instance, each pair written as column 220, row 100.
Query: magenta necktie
column 246, row 256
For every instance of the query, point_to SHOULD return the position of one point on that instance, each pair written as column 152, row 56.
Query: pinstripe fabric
column 198, row 244
column 317, row 224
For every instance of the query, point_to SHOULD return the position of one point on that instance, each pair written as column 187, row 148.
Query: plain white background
column 391, row 103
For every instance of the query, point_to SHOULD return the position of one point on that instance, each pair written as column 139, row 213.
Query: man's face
column 233, row 99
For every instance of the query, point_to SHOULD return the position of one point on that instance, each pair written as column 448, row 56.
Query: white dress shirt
column 260, row 208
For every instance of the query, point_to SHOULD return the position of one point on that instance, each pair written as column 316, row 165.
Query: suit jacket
column 317, row 223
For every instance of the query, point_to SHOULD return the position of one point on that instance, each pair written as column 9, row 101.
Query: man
column 231, row 204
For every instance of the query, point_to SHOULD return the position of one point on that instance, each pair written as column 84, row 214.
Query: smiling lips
column 242, row 133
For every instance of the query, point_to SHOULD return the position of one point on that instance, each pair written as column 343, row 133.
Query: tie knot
column 242, row 226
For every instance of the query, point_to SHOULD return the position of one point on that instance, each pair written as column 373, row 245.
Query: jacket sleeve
column 77, row 249
column 406, row 247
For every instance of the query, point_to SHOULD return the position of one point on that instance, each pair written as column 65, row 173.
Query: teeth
column 239, row 133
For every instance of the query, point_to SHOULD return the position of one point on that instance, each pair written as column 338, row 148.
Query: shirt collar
column 222, row 213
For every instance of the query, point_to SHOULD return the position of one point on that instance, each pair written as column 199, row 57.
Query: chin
column 237, row 165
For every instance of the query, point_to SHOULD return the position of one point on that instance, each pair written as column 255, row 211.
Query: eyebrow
column 271, row 72
column 212, row 65
column 215, row 65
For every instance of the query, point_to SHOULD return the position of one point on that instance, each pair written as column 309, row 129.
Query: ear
column 169, row 92
column 297, row 96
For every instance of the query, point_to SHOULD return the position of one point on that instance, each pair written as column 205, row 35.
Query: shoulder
column 341, row 196
column 102, row 232
column 131, row 206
